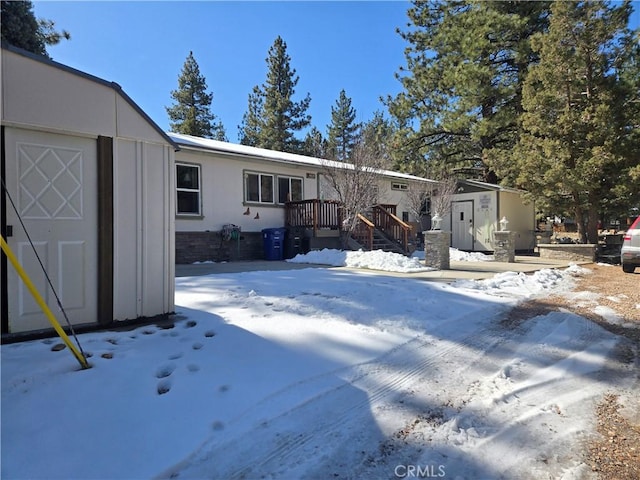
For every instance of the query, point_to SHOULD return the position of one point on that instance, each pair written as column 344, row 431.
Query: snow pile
column 380, row 260
column 460, row 256
column 519, row 284
column 374, row 260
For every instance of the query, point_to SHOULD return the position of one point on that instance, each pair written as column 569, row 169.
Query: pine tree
column 574, row 150
column 191, row 113
column 20, row 28
column 378, row 135
column 343, row 130
column 315, row 144
column 466, row 62
column 250, row 129
column 273, row 117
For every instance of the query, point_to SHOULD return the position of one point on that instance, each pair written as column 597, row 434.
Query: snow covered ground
column 319, row 373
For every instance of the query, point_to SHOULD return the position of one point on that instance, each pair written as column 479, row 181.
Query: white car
column 630, row 253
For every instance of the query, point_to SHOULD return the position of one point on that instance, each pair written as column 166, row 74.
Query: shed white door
column 53, row 182
column 462, row 225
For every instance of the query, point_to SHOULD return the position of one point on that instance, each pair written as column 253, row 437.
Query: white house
column 220, row 185
column 92, row 179
column 476, row 211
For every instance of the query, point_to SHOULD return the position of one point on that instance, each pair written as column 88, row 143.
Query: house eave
column 191, row 143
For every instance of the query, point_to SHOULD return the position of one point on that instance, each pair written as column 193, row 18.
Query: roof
column 206, row 144
column 489, row 186
column 113, row 85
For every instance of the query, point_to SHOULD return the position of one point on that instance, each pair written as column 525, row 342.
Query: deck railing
column 317, row 214
column 313, row 214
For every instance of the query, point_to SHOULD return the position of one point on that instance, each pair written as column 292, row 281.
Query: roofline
column 113, row 85
column 492, row 186
column 276, row 156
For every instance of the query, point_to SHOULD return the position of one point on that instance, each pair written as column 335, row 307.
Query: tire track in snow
column 277, row 443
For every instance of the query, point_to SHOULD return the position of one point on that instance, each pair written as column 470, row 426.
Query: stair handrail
column 370, row 227
column 380, row 210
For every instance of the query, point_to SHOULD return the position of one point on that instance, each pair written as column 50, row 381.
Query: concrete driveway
column 458, row 270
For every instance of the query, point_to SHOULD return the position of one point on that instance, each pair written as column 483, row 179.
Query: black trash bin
column 273, row 243
column 295, row 242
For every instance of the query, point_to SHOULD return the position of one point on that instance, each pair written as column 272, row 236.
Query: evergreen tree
column 20, row 28
column 378, row 135
column 250, row 129
column 315, row 145
column 191, row 113
column 577, row 144
column 343, row 130
column 273, row 117
column 466, row 62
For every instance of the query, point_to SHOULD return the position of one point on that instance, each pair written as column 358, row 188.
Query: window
column 258, row 187
column 399, row 186
column 289, row 189
column 188, row 189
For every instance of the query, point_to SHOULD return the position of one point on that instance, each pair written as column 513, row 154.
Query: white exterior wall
column 40, row 96
column 43, row 96
column 521, row 217
column 488, row 208
column 485, row 212
column 144, row 248
column 222, row 192
column 385, row 195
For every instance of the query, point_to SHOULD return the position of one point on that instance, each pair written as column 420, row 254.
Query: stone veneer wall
column 436, row 249
column 208, row 246
column 568, row 251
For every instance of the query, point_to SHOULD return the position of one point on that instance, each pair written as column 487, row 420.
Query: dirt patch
column 616, row 453
column 605, row 286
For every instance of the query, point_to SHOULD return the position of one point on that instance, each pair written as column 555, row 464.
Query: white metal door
column 462, row 225
column 53, row 182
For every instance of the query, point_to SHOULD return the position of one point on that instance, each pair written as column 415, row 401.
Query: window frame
column 260, row 201
column 198, row 190
column 289, row 178
column 399, row 186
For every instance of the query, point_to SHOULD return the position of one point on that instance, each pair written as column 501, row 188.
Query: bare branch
column 356, row 184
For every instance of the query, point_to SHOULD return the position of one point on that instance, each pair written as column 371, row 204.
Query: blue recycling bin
column 273, row 243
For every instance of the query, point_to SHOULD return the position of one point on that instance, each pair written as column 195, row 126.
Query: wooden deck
column 324, row 217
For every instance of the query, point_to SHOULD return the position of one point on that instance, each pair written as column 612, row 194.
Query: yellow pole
column 41, row 303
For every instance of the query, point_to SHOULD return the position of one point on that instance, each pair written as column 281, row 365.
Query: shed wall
column 42, row 96
column 521, row 217
column 143, row 229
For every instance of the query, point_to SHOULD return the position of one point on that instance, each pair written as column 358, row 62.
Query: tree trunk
column 592, row 225
column 580, row 223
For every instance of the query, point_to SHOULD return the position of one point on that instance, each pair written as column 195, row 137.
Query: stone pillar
column 436, row 249
column 504, row 245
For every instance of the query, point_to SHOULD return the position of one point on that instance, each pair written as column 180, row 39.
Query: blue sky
column 143, row 45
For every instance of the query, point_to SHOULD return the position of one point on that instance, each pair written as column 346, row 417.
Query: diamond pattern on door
column 50, row 182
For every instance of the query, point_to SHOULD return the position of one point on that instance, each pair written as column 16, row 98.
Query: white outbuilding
column 92, row 179
column 476, row 210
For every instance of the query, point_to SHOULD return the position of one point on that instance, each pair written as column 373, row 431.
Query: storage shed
column 476, row 210
column 92, row 179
